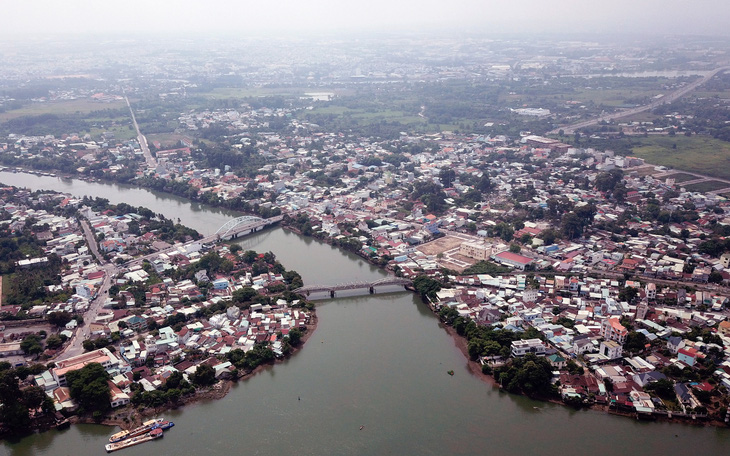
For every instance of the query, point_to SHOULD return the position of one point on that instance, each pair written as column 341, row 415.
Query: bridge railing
column 353, row 285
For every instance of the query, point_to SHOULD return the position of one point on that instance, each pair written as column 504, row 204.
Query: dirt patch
column 440, row 245
column 449, row 265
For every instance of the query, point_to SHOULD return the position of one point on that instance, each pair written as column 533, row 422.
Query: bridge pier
column 372, row 290
column 332, row 293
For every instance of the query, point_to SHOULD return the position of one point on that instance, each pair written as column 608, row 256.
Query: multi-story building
column 523, row 347
column 476, row 250
column 611, row 329
column 611, row 349
column 102, row 356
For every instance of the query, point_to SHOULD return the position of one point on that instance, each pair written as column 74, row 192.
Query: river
column 378, row 361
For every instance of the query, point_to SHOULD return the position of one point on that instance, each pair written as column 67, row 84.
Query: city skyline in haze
column 286, row 17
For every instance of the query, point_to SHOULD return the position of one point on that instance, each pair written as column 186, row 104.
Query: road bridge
column 242, row 225
column 232, row 229
column 357, row 285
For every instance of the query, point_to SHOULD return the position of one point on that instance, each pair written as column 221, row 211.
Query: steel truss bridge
column 332, row 289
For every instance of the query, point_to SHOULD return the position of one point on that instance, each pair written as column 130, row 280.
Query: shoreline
column 135, row 416
column 131, row 417
column 475, row 368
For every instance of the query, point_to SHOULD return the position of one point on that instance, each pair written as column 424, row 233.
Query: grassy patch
column 615, row 97
column 646, row 171
column 6, row 287
column 700, row 154
column 681, row 177
column 370, row 116
column 225, row 93
column 121, row 132
column 60, row 107
column 707, row 186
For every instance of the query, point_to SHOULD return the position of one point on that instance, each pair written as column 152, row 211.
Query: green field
column 225, row 93
column 681, row 177
column 614, row 97
column 121, row 132
column 5, row 286
column 699, row 154
column 60, row 107
column 707, row 186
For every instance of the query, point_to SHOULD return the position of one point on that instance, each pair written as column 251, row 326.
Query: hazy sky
column 706, row 17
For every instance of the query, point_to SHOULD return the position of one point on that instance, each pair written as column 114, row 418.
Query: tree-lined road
column 151, row 162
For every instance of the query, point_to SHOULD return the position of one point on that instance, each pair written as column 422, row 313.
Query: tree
column 13, row 413
column 715, row 277
column 295, row 337
column 635, row 341
column 34, row 397
column 175, row 380
column 59, row 318
column 484, row 185
column 32, row 344
column 89, row 387
column 54, row 341
column 607, row 181
column 515, row 248
column 426, row 286
column 571, row 226
column 245, row 294
column 548, row 236
column 663, row 388
column 447, row 176
column 628, row 294
column 204, row 375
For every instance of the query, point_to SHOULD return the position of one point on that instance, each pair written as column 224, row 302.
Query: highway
column 151, row 162
column 570, row 129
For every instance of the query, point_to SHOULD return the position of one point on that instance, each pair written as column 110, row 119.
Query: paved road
column 75, row 347
column 570, row 129
column 151, row 162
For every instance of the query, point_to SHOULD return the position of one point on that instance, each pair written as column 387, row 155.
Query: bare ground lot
column 440, row 245
column 448, row 246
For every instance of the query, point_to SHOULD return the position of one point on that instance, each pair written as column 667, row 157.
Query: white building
column 523, row 347
column 611, row 349
column 476, row 250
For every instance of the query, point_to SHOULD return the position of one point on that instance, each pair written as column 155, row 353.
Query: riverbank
column 131, row 417
column 475, row 369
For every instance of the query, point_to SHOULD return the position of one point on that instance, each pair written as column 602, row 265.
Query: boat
column 165, row 425
column 147, row 426
column 450, row 372
column 151, row 435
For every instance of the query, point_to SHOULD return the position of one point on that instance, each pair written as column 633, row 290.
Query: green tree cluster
column 250, row 360
column 89, row 387
column 529, row 374
column 16, row 403
column 426, row 286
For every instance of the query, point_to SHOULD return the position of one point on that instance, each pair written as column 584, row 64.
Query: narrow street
column 75, row 346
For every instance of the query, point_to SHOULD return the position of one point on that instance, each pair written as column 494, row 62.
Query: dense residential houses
column 606, row 257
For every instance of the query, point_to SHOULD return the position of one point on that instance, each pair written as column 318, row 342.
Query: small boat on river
column 131, row 441
column 146, row 427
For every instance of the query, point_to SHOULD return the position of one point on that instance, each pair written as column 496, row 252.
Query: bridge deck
column 353, row 285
